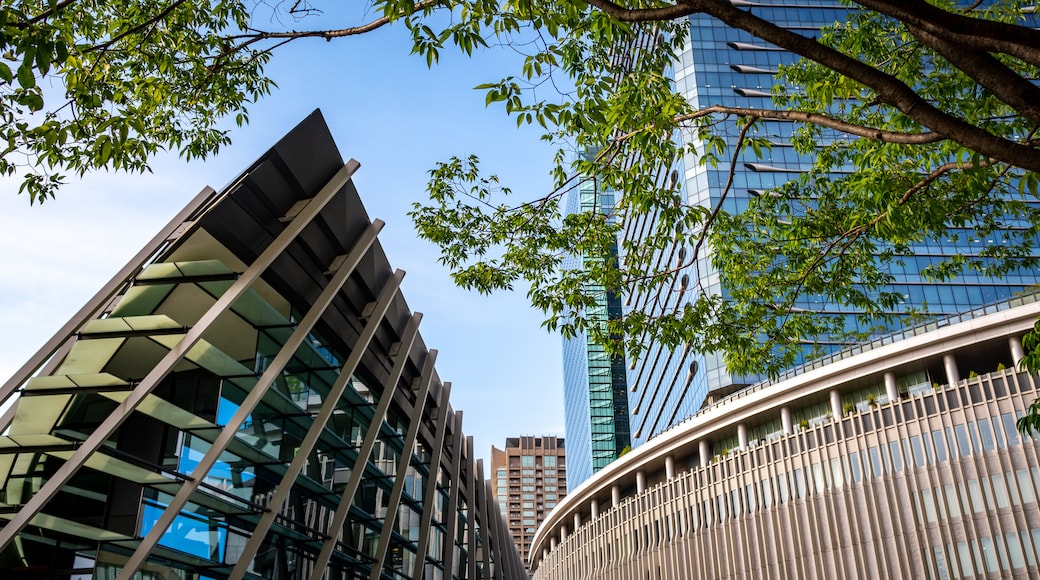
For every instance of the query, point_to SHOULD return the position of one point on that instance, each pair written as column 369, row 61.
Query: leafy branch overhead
column 920, row 120
column 909, row 142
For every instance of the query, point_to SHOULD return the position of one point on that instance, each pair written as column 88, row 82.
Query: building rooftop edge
column 999, row 319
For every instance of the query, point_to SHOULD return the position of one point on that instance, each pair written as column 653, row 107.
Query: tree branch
column 855, row 233
column 1005, row 84
column 248, row 39
column 134, row 29
column 331, row 33
column 722, row 197
column 43, row 15
column 987, row 35
column 881, row 135
column 889, row 89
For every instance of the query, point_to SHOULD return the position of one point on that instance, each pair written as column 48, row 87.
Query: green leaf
column 26, row 78
column 43, row 58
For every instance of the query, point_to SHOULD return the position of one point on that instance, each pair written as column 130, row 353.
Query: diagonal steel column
column 500, row 561
column 103, row 297
column 506, row 550
column 451, row 513
column 357, row 475
column 274, row 370
column 519, row 567
column 494, row 532
column 402, row 468
column 495, row 525
column 471, row 516
column 329, row 406
column 51, row 365
column 515, row 569
column 122, row 411
column 430, row 493
column 485, row 527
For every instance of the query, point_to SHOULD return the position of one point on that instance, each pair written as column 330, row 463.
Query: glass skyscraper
column 724, row 66
column 595, row 385
column 729, row 67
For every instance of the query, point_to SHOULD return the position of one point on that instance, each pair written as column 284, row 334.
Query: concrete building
column 248, row 398
column 897, row 458
column 528, row 478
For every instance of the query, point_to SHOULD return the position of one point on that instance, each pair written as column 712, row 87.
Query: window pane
column 975, row 492
column 989, row 554
column 987, row 435
column 1000, row 491
column 897, row 457
column 918, row 451
column 962, row 442
column 928, row 504
column 939, row 442
column 875, row 461
column 1010, row 431
column 1025, row 486
column 952, row 504
column 854, row 464
column 1015, row 550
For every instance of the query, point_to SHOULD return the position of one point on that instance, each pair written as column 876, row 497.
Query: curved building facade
column 897, row 458
column 248, row 398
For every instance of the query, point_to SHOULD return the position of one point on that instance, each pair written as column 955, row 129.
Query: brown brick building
column 528, row 478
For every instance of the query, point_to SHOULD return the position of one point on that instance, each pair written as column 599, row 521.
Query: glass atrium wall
column 253, row 401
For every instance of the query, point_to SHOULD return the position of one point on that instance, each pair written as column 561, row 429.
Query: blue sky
column 395, row 116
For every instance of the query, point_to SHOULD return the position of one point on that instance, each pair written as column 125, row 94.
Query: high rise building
column 528, row 477
column 248, row 398
column 595, row 386
column 724, row 66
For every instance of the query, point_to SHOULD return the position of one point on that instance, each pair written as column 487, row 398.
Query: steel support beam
column 148, row 384
column 405, row 461
column 516, row 566
column 357, row 474
column 256, row 394
column 501, row 538
column 328, row 407
column 430, row 491
column 471, row 511
column 451, row 514
column 480, row 493
column 494, row 534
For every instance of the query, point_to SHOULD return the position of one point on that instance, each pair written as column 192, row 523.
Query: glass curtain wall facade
column 665, row 383
column 724, row 66
column 595, row 384
column 249, row 398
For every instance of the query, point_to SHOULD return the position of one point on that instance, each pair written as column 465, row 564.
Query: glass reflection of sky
column 189, row 534
column 223, row 475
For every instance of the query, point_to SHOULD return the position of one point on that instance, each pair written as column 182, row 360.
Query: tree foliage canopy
column 913, row 140
column 90, row 84
column 922, row 118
